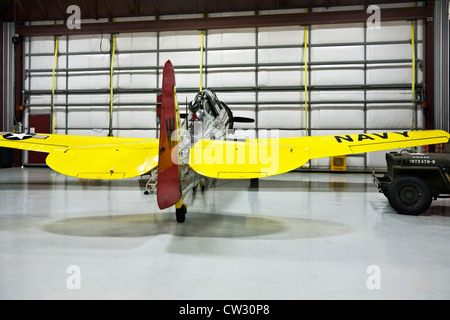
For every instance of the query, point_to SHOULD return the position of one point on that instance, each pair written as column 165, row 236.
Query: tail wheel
column 409, row 195
column 181, row 213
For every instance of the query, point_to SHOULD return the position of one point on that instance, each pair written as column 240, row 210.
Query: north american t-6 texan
column 199, row 146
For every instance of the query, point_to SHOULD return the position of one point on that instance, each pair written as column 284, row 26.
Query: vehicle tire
column 409, row 195
column 180, row 214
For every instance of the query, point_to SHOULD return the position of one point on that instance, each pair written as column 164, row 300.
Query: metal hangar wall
column 303, row 67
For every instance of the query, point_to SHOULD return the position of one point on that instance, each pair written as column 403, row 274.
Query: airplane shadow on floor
column 199, row 225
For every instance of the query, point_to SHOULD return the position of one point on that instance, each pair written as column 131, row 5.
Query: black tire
column 180, row 214
column 409, row 195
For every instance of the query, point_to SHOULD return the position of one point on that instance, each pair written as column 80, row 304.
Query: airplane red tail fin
column 168, row 191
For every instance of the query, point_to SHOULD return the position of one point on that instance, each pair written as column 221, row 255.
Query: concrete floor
column 295, row 236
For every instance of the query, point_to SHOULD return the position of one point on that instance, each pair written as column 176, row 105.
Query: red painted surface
column 168, row 190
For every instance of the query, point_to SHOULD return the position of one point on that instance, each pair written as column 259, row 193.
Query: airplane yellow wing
column 257, row 158
column 89, row 157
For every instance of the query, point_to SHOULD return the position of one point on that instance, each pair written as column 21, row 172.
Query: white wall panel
column 137, row 41
column 281, row 117
column 38, row 111
column 281, row 96
column 134, row 60
column 185, row 78
column 88, row 99
column 231, row 77
column 233, row 97
column 41, row 99
column 46, row 62
column 389, row 52
column 337, row 75
column 355, row 162
column 179, row 39
column 389, row 75
column 136, row 80
column 290, row 133
column 335, row 117
column 89, row 81
column 42, row 45
column 337, row 53
column 337, row 33
column 229, row 38
column 281, row 76
column 390, row 31
column 392, row 116
column 398, row 95
column 337, row 96
column 132, row 99
column 132, row 117
column 90, row 61
column 245, row 134
column 91, row 43
column 190, row 58
column 39, row 82
column 94, row 118
column 281, row 55
column 230, row 57
column 280, row 36
column 60, row 117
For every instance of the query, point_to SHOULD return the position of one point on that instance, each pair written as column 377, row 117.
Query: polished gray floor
column 294, row 236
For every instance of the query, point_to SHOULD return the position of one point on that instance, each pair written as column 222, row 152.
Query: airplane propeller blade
column 243, row 120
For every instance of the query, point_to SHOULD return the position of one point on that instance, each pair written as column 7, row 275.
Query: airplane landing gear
column 150, row 186
column 180, row 211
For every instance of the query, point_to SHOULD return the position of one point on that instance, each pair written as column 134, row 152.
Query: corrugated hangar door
column 316, row 80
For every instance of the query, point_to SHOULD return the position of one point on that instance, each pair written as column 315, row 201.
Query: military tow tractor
column 414, row 180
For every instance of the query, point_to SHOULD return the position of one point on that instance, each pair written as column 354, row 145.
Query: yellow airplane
column 199, row 147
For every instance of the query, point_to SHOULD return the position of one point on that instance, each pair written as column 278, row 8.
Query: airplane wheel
column 181, row 213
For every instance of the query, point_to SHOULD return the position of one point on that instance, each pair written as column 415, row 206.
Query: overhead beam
column 270, row 20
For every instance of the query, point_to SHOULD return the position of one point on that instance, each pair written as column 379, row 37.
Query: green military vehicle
column 413, row 180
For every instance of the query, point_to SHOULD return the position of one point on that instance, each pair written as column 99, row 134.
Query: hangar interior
column 303, row 68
